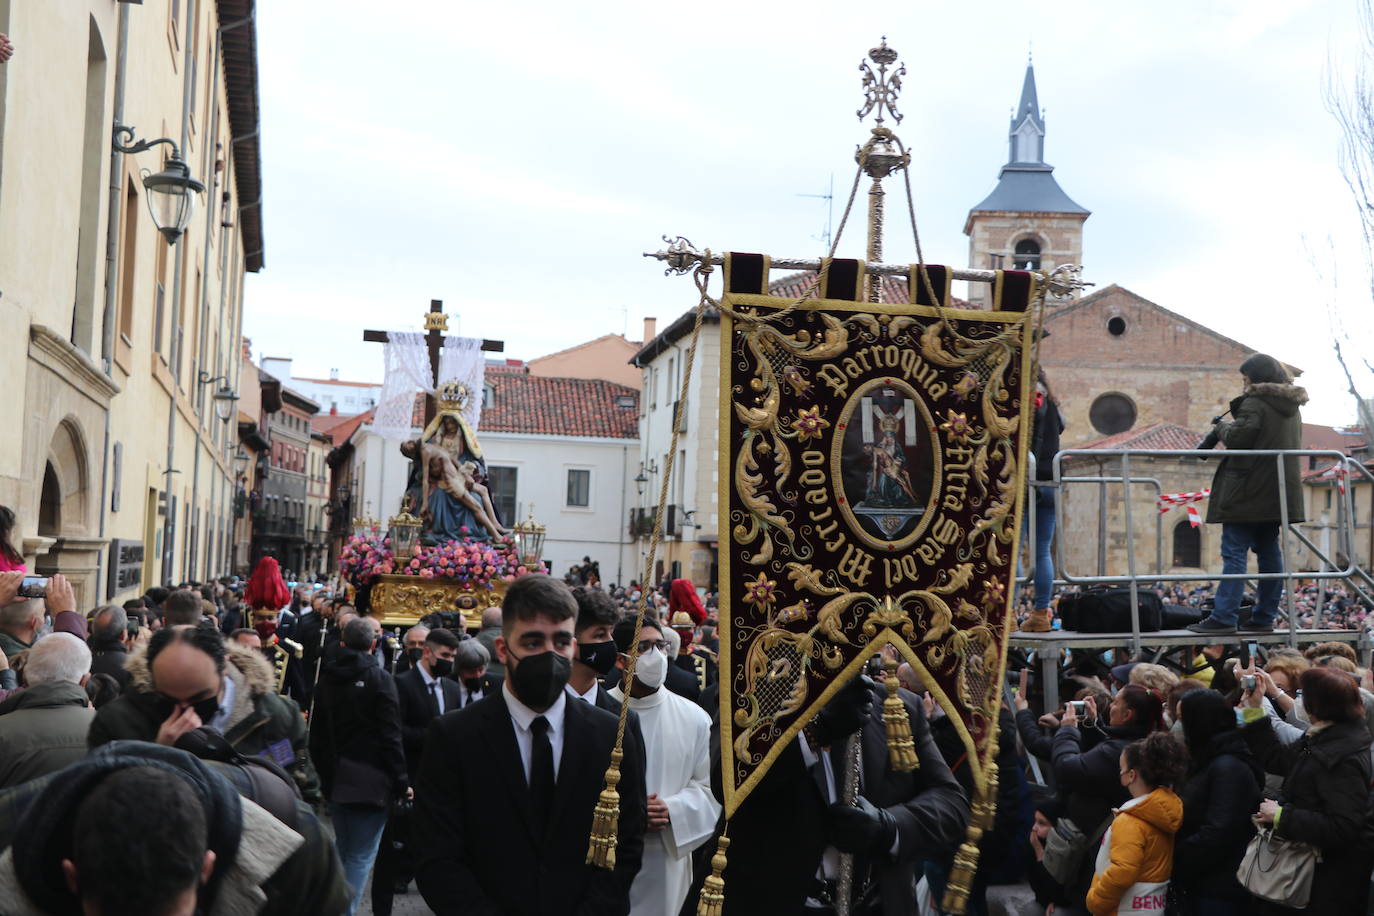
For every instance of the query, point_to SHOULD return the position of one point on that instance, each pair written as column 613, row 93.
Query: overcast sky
column 514, row 159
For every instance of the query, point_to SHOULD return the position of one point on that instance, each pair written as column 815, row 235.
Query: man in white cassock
column 677, row 741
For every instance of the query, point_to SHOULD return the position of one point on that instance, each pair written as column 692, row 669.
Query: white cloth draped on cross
column 408, row 373
column 1167, row 501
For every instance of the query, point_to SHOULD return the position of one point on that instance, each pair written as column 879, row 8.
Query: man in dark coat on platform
column 784, row 835
column 1246, row 498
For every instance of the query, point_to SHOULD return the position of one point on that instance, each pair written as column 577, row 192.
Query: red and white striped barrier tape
column 1167, row 501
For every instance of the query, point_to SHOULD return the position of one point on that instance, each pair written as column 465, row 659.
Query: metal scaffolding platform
column 1047, row 646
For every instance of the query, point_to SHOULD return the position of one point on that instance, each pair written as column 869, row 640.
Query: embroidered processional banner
column 871, row 475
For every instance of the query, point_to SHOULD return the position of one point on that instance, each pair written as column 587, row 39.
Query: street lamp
column 224, row 397
column 170, row 191
column 640, row 481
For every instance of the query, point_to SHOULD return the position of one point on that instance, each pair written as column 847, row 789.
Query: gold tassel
column 712, row 899
column 901, row 748
column 960, row 883
column 606, row 817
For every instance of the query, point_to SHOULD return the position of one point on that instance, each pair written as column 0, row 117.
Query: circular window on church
column 1116, row 326
column 1112, row 413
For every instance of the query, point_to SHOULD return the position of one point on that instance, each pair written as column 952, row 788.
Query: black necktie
column 541, row 770
column 433, row 698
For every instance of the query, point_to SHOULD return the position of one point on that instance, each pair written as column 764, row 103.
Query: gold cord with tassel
column 606, row 816
column 712, row 899
column 901, row 747
column 960, row 882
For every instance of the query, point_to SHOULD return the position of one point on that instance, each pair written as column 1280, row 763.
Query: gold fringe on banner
column 901, row 747
column 960, row 882
column 712, row 898
column 606, row 817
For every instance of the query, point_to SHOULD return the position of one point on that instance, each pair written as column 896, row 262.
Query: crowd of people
column 1149, row 785
column 1169, row 780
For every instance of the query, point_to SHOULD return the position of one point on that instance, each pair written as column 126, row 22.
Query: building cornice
column 59, row 354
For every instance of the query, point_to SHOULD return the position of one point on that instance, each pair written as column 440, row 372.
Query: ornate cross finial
column 881, row 88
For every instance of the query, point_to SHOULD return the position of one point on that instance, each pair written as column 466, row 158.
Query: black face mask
column 415, row 655
column 473, row 684
column 598, row 656
column 539, row 679
column 441, row 667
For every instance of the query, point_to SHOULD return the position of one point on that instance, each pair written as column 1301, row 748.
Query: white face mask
column 652, row 669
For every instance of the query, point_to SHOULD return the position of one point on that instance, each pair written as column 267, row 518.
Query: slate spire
column 1027, row 134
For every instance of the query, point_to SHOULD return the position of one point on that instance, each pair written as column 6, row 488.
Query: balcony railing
column 642, row 522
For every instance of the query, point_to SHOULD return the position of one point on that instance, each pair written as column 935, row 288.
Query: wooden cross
column 436, row 323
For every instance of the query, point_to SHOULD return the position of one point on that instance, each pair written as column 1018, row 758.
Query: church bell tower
column 1027, row 222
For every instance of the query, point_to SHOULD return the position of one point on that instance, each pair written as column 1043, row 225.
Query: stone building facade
column 117, row 463
column 1118, row 362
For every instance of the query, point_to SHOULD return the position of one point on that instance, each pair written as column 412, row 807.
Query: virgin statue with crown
column 458, row 504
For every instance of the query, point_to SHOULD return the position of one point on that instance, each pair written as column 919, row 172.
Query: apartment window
column 579, row 488
column 160, row 298
column 128, row 261
column 501, row 482
column 95, row 152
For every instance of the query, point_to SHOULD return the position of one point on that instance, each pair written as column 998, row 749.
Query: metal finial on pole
column 880, row 156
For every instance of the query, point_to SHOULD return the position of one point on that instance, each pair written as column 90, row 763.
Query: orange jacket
column 1142, row 849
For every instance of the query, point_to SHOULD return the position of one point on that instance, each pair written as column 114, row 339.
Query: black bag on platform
column 1179, row 616
column 1107, row 609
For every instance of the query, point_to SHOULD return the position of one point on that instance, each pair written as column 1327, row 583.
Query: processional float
column 446, row 552
column 872, row 474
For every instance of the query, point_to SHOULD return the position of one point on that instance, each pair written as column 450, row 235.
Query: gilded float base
column 402, row 600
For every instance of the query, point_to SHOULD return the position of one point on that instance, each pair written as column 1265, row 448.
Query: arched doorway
column 50, row 504
column 66, row 523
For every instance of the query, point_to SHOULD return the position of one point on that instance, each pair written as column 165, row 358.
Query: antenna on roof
column 829, row 198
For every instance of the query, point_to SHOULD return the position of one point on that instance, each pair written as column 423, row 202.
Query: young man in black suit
column 508, row 785
column 426, row 691
column 596, row 654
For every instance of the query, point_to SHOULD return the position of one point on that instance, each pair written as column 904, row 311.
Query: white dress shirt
column 432, row 684
column 522, row 717
column 589, row 696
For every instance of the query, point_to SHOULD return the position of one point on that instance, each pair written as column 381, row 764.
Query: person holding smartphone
column 21, row 613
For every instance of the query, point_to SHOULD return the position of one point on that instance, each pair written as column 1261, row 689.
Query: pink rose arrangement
column 471, row 562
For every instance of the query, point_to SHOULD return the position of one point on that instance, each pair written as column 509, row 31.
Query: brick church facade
column 1127, row 373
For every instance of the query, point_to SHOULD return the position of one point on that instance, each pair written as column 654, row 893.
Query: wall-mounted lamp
column 171, row 192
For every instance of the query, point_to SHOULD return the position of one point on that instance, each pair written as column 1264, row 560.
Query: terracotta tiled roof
column 344, row 431
column 523, row 403
column 1315, row 436
column 329, row 423
column 893, row 289
column 1326, row 474
column 1162, row 436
